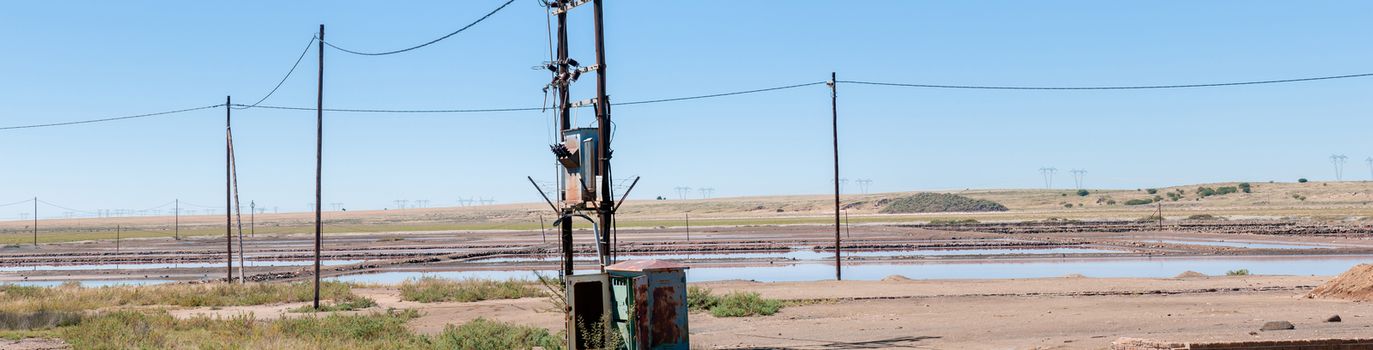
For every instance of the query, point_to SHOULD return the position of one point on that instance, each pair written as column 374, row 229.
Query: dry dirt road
column 1048, row 313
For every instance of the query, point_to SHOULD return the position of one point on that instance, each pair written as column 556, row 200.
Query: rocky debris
column 1277, row 326
column 1333, row 318
column 1356, row 284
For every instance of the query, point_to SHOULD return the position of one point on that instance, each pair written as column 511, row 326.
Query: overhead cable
column 1121, row 87
column 288, row 74
column 108, row 119
column 469, row 25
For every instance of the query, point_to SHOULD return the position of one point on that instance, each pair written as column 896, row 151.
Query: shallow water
column 89, row 283
column 1094, row 267
column 807, row 254
column 1251, row 245
column 251, row 263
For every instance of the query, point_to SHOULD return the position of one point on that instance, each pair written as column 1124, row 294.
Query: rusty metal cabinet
column 650, row 306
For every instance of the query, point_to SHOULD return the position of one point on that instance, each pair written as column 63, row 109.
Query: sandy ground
column 1051, row 313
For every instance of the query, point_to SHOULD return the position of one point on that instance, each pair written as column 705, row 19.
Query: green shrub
column 1173, row 196
column 1240, row 272
column 1205, row 192
column 742, row 304
column 938, row 203
column 733, row 304
column 1110, row 202
column 433, row 289
column 1298, row 197
column 700, row 299
column 1152, row 190
column 1083, row 193
column 1139, row 201
column 1244, row 187
column 1226, row 190
column 1301, row 180
column 1068, row 205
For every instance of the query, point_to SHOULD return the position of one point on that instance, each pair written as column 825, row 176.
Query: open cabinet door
column 589, row 298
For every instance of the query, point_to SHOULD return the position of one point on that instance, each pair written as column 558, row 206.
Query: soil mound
column 896, row 278
column 1190, row 274
column 939, row 203
column 1355, row 284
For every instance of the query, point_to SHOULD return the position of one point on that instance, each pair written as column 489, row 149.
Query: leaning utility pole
column 834, row 109
column 319, row 160
column 228, row 191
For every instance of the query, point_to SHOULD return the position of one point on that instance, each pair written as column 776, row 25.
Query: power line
column 15, row 203
column 527, row 109
column 1119, row 87
column 288, row 75
column 479, row 20
column 31, row 126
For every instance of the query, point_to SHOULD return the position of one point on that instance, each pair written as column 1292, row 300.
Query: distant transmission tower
column 1338, row 161
column 863, row 185
column 682, row 191
column 1370, row 167
column 1078, row 174
column 1048, row 173
column 706, row 192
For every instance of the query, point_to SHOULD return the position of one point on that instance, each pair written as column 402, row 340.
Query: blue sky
column 88, row 59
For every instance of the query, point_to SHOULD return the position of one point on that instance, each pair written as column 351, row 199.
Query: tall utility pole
column 319, row 160
column 35, row 221
column 252, row 219
column 228, row 192
column 176, row 220
column 688, row 226
column 834, row 110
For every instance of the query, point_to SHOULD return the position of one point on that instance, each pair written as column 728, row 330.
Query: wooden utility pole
column 116, row 239
column 688, row 226
column 228, row 193
column 319, row 161
column 35, row 222
column 176, row 220
column 834, row 109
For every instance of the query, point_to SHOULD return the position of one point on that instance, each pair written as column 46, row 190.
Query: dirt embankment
column 1355, row 284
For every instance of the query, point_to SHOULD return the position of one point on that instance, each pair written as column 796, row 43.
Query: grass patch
column 486, row 334
column 159, row 330
column 71, row 298
column 38, row 320
column 345, row 305
column 733, row 304
column 433, row 289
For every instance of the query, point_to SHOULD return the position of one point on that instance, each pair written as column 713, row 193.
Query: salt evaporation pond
column 1039, row 268
column 131, row 266
column 808, row 254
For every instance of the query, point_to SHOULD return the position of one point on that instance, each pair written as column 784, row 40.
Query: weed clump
column 733, row 304
column 433, row 289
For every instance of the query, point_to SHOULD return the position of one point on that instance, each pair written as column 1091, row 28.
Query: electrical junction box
column 588, row 297
column 584, row 154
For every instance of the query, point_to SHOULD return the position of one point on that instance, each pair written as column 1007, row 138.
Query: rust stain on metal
column 665, row 316
column 641, row 313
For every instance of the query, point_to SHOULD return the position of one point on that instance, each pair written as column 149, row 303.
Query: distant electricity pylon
column 863, row 185
column 1338, row 161
column 487, row 201
column 706, row 192
column 1370, row 167
column 1048, row 173
column 682, row 191
column 1078, row 174
column 335, row 205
